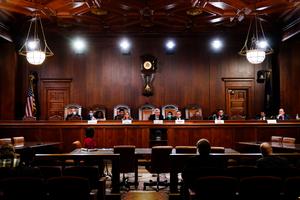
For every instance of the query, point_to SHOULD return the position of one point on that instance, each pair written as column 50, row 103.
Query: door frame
column 240, row 83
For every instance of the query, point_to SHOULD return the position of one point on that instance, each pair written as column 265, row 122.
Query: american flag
column 30, row 108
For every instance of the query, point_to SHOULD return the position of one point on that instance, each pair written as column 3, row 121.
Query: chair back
column 186, row 149
column 5, row 141
column 291, row 188
column 190, row 111
column 288, row 140
column 117, row 108
column 127, row 158
column 18, row 141
column 169, row 108
column 23, row 188
column 68, row 110
column 55, row 118
column 160, row 159
column 275, row 138
column 68, row 187
column 216, row 187
column 145, row 111
column 260, row 187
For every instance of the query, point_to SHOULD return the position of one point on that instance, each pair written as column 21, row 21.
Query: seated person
column 157, row 115
column 219, row 115
column 99, row 115
column 127, row 116
column 120, row 114
column 91, row 115
column 73, row 115
column 281, row 115
column 269, row 161
column 88, row 141
column 197, row 116
column 261, row 116
column 170, row 116
column 201, row 164
column 8, row 156
column 178, row 115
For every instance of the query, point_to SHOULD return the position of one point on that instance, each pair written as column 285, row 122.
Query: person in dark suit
column 178, row 115
column 120, row 114
column 220, row 115
column 91, row 115
column 268, row 160
column 157, row 115
column 197, row 116
column 261, row 116
column 202, row 164
column 73, row 115
column 282, row 115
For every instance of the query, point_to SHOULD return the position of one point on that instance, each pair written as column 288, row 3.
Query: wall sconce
column 35, row 47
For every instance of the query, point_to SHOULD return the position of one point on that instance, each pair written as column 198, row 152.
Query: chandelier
column 35, row 47
column 257, row 48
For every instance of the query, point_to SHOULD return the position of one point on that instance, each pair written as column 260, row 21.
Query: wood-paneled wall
column 102, row 75
column 289, row 63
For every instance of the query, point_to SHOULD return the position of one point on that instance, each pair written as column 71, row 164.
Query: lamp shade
column 35, row 57
column 256, row 56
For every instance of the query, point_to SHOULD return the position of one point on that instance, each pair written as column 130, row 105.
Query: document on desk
column 179, row 121
column 92, row 121
column 158, row 121
column 126, row 121
column 218, row 121
column 272, row 121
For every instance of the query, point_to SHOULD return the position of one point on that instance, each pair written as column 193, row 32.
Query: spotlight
column 125, row 46
column 170, row 46
column 79, row 45
column 262, row 44
column 216, row 44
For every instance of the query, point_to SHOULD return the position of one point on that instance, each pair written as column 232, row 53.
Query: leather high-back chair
column 186, row 149
column 128, row 163
column 275, row 138
column 5, row 141
column 160, row 163
column 190, row 111
column 288, row 140
column 18, row 141
column 291, row 188
column 145, row 111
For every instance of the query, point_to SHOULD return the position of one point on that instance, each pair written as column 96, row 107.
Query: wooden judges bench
column 110, row 133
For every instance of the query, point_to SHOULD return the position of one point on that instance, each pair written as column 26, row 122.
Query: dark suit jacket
column 223, row 117
column 285, row 117
column 152, row 117
column 272, row 162
column 71, row 116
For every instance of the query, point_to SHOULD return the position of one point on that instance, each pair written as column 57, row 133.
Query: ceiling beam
column 291, row 30
column 16, row 9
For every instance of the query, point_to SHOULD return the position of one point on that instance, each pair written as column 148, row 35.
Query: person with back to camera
column 198, row 165
column 88, row 141
column 268, row 160
column 156, row 115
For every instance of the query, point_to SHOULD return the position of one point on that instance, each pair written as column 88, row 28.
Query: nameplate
column 219, row 121
column 126, row 121
column 179, row 121
column 272, row 121
column 92, row 121
column 158, row 121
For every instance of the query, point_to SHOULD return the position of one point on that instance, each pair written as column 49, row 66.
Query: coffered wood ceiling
column 177, row 16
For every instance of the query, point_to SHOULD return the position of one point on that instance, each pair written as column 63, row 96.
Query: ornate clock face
column 147, row 65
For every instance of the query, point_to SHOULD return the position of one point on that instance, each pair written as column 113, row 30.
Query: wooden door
column 237, row 102
column 55, row 95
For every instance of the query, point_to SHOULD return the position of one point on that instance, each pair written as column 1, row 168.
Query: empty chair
column 23, row 188
column 216, row 188
column 291, row 188
column 128, row 163
column 275, row 138
column 160, row 163
column 193, row 112
column 241, row 171
column 186, row 149
column 89, row 172
column 18, row 141
column 145, row 111
column 288, row 140
column 260, row 188
column 50, row 171
column 70, row 187
column 5, row 141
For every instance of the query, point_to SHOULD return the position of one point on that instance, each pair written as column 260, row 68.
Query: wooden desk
column 110, row 133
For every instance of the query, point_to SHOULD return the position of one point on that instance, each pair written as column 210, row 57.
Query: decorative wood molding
column 249, row 79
